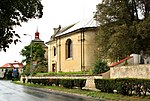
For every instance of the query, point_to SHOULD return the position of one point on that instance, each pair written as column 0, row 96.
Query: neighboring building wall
column 126, row 62
column 133, row 59
column 135, row 71
column 2, row 71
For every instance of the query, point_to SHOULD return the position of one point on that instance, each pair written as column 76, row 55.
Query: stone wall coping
column 63, row 77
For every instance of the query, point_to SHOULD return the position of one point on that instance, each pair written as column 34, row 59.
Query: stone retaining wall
column 135, row 71
column 89, row 79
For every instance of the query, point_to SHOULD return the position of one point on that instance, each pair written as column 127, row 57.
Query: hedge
column 67, row 83
column 125, row 86
column 70, row 83
column 79, row 83
column 105, row 85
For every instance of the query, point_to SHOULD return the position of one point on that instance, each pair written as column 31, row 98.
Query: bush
column 80, row 83
column 34, row 81
column 67, row 83
column 39, row 81
column 70, row 83
column 146, row 86
column 100, row 67
column 50, row 82
column 125, row 86
column 56, row 82
column 128, row 86
column 105, row 85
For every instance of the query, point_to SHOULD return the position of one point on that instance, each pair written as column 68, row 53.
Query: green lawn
column 63, row 73
column 95, row 94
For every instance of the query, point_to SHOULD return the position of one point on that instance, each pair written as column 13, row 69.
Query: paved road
column 13, row 92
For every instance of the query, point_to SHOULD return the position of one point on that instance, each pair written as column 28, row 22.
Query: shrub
column 56, row 82
column 70, row 83
column 80, row 83
column 67, row 83
column 146, row 86
column 105, row 85
column 50, row 82
column 125, row 86
column 129, row 85
column 34, row 81
column 45, row 81
column 100, row 67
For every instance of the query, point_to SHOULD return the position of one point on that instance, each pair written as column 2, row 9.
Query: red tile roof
column 12, row 65
column 121, row 61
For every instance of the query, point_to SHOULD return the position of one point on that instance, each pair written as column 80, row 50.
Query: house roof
column 121, row 61
column 81, row 24
column 87, row 23
column 12, row 65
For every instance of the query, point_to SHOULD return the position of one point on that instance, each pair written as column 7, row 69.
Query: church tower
column 38, row 40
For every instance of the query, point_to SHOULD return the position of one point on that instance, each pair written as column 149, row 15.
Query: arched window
column 68, row 48
column 54, row 51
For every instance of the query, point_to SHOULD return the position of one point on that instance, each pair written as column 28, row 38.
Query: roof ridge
column 90, row 21
column 86, row 23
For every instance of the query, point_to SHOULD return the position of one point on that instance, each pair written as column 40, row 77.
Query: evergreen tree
column 100, row 66
column 123, row 28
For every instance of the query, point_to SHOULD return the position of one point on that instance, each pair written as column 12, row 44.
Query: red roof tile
column 12, row 65
column 117, row 63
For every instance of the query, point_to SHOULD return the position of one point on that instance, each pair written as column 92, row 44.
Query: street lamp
column 30, row 55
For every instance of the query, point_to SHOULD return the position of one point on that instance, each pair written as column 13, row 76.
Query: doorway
column 53, row 67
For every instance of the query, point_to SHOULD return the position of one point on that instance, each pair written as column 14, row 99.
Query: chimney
column 57, row 29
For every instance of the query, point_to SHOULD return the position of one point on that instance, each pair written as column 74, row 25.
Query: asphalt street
column 14, row 92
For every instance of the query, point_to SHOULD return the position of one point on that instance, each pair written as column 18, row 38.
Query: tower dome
column 37, row 35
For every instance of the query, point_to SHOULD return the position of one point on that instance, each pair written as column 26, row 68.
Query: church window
column 69, row 48
column 54, row 51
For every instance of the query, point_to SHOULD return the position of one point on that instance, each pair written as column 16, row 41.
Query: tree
column 12, row 14
column 37, row 57
column 100, row 66
column 123, row 28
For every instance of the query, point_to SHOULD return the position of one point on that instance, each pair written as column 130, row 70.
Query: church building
column 72, row 48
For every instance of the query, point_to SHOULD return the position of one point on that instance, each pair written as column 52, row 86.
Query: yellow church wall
column 52, row 58
column 89, row 49
column 73, row 64
column 49, row 59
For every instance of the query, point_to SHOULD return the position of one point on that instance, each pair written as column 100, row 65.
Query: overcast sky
column 56, row 12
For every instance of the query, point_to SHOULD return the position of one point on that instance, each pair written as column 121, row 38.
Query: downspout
column 81, row 49
column 58, row 49
column 49, row 58
column 59, row 55
column 83, row 67
column 56, row 64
